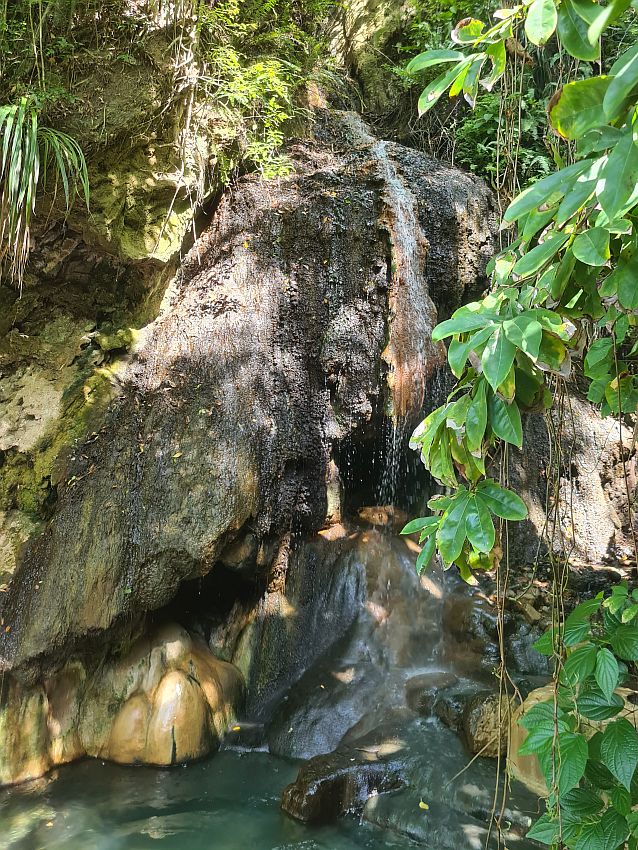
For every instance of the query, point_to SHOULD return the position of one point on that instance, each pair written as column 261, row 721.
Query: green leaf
column 619, row 750
column 553, row 187
column 545, row 643
column 592, row 246
column 425, row 555
column 505, row 420
column 621, row 800
column 595, row 706
column 502, row 502
column 618, row 177
column 533, row 260
column 479, row 526
column 433, row 57
column 420, row 524
column 598, row 357
column 497, row 358
column 467, row 31
column 605, row 16
column 567, row 762
column 579, row 664
column 581, row 802
column 599, row 139
column 431, row 94
column 545, row 830
column 458, row 352
column 476, row 421
column 573, row 33
column 624, row 642
column 464, row 320
column 451, row 534
column 624, row 78
column 541, row 21
column 606, row 672
column 498, row 57
column 578, row 107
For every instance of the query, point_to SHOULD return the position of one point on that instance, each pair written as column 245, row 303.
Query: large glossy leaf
column 542, row 18
column 578, row 107
column 624, row 79
column 619, row 750
column 467, row 31
column 479, row 526
column 476, row 421
column 505, row 420
column 502, row 502
column 532, row 261
column 592, row 246
column 497, row 358
column 433, row 57
column 551, row 187
column 603, row 17
column 573, row 33
column 431, row 94
column 619, row 176
column 451, row 534
column 498, row 57
column 545, row 830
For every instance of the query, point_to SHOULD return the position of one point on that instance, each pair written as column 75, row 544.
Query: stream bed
column 376, row 727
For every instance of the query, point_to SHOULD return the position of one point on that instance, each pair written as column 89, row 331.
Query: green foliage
column 589, row 770
column 27, row 151
column 566, row 285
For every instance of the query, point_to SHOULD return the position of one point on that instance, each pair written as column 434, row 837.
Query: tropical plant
column 28, row 151
column 585, row 739
column 565, row 286
column 569, row 274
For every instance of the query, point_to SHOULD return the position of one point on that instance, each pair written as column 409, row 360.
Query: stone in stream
column 339, row 783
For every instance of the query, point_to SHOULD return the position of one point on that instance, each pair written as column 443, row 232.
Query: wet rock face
column 302, row 301
column 167, row 701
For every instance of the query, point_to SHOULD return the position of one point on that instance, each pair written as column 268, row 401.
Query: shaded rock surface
column 278, row 338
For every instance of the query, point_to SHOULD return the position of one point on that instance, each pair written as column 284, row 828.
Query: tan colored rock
column 179, row 729
column 166, row 701
column 527, row 768
column 486, row 722
column 127, row 742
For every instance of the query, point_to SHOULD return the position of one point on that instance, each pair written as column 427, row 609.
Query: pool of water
column 229, row 802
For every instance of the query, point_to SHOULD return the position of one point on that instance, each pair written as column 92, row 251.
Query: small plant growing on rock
column 28, row 150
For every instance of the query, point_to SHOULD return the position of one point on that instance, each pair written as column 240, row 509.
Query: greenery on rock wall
column 564, row 291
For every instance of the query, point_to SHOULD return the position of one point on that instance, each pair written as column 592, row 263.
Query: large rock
column 296, row 309
column 167, row 701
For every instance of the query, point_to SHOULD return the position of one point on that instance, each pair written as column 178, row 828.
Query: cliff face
column 300, row 318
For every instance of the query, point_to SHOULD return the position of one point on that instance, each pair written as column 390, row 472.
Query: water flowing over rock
column 300, row 317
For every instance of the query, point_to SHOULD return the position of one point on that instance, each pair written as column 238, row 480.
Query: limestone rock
column 167, row 701
column 486, row 721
